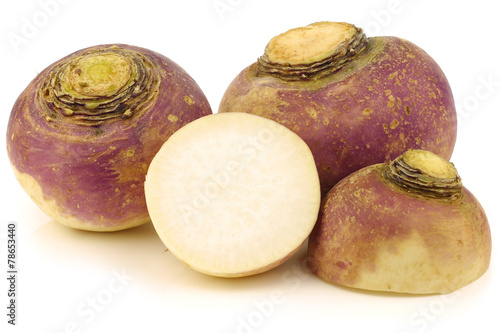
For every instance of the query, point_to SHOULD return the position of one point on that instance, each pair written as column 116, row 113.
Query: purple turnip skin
column 87, row 172
column 390, row 97
column 373, row 233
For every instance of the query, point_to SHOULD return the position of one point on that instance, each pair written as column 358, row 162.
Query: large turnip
column 355, row 101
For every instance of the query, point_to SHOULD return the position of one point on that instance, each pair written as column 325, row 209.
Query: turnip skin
column 389, row 98
column 91, row 176
column 372, row 234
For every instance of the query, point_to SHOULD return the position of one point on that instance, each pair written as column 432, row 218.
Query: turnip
column 233, row 194
column 355, row 101
column 408, row 226
column 82, row 134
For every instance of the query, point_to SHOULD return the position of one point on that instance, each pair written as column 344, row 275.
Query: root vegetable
column 408, row 226
column 355, row 101
column 233, row 194
column 82, row 134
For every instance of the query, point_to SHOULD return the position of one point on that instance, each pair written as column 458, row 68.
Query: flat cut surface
column 430, row 164
column 99, row 75
column 232, row 193
column 309, row 44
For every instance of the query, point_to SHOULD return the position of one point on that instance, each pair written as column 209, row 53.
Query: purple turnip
column 408, row 226
column 355, row 101
column 82, row 134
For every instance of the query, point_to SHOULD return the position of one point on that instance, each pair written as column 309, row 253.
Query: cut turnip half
column 233, row 194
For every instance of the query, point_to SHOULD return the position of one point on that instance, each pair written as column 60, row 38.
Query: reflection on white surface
column 78, row 281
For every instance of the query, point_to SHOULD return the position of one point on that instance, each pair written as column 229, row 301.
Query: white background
column 68, row 280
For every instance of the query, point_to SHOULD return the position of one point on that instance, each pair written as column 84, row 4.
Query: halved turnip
column 233, row 194
column 409, row 226
column 354, row 100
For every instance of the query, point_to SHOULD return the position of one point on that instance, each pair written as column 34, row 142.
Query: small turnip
column 408, row 226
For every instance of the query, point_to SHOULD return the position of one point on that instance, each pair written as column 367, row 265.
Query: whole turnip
column 82, row 134
column 355, row 101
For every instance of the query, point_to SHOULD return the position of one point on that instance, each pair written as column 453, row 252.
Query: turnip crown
column 98, row 86
column 312, row 52
column 426, row 174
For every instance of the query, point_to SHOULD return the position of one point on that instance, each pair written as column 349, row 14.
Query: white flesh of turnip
column 233, row 194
